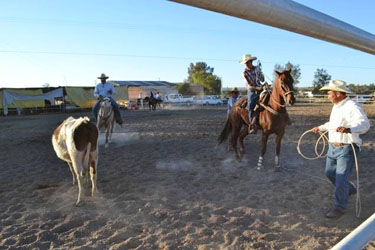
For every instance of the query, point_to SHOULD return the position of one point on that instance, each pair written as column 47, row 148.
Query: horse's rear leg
column 278, row 149
column 235, row 133
column 242, row 136
column 263, row 151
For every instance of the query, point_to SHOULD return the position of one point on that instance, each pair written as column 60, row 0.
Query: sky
column 70, row 43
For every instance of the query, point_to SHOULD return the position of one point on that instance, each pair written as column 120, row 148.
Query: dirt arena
column 164, row 184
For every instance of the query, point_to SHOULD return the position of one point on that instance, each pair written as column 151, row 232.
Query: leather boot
column 253, row 127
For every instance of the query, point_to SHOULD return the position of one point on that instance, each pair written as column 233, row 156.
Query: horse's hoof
column 79, row 203
column 94, row 193
column 237, row 157
column 278, row 169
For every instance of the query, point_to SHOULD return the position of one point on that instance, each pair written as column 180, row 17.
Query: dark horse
column 273, row 119
column 152, row 102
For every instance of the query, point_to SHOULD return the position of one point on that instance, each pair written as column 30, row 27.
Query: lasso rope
column 323, row 137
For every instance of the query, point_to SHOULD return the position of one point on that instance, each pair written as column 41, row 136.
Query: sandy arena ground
column 164, row 184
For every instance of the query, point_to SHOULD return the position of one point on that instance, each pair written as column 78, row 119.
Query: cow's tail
column 226, row 131
column 86, row 160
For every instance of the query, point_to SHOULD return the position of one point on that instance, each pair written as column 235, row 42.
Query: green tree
column 184, row 88
column 362, row 89
column 295, row 70
column 321, row 78
column 202, row 74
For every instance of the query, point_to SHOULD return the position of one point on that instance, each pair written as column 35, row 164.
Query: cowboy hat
column 246, row 58
column 234, row 90
column 103, row 76
column 337, row 85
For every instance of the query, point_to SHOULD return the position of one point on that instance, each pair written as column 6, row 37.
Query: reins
column 320, row 155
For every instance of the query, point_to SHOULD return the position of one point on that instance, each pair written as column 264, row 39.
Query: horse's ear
column 277, row 72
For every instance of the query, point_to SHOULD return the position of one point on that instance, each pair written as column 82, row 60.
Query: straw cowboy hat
column 103, row 76
column 337, row 85
column 234, row 90
column 246, row 58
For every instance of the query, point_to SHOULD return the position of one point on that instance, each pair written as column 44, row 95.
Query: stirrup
column 252, row 129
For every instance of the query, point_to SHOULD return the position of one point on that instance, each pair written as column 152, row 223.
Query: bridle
column 285, row 94
column 105, row 112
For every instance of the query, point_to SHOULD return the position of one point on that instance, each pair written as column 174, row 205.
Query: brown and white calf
column 76, row 142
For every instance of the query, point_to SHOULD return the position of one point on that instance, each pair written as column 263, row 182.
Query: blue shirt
column 104, row 89
column 231, row 102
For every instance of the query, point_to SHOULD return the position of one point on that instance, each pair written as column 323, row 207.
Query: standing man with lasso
column 346, row 123
column 253, row 77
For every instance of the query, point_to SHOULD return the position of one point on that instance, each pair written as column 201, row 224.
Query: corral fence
column 363, row 99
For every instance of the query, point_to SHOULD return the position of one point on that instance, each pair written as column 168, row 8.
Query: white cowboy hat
column 337, row 85
column 103, row 76
column 246, row 58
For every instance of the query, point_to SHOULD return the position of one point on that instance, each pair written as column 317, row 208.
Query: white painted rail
column 359, row 237
column 292, row 16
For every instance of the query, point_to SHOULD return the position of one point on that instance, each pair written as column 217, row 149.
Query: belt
column 337, row 144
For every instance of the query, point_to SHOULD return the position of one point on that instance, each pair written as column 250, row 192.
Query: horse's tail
column 226, row 131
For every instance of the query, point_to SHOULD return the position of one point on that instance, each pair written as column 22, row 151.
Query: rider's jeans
column 115, row 106
column 252, row 97
column 339, row 166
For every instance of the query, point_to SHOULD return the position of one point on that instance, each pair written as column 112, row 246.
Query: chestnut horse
column 153, row 102
column 272, row 120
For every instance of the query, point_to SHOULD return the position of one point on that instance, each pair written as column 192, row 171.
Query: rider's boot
column 118, row 118
column 253, row 127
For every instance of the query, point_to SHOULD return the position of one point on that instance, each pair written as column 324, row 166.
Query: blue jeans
column 252, row 98
column 115, row 106
column 339, row 166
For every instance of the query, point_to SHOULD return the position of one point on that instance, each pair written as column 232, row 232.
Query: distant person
column 234, row 96
column 106, row 89
column 140, row 97
column 346, row 123
column 157, row 96
column 253, row 77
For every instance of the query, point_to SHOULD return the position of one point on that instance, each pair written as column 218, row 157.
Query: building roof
column 144, row 83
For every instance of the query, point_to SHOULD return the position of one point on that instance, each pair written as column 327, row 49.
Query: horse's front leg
column 107, row 137
column 278, row 149
column 263, row 151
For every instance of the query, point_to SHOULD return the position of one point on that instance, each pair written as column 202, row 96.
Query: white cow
column 76, row 142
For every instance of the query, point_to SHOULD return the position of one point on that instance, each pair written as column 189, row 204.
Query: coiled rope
column 323, row 137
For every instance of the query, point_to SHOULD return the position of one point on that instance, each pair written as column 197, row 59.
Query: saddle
column 264, row 98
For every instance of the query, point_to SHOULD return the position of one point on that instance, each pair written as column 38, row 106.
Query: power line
column 166, row 57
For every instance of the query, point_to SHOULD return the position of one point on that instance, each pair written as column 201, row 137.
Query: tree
column 46, row 85
column 295, row 70
column 321, row 78
column 202, row 74
column 183, row 88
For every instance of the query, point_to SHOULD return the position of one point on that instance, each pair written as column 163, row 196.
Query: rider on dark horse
column 106, row 89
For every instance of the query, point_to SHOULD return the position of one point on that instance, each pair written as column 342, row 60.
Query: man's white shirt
column 348, row 114
column 104, row 89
